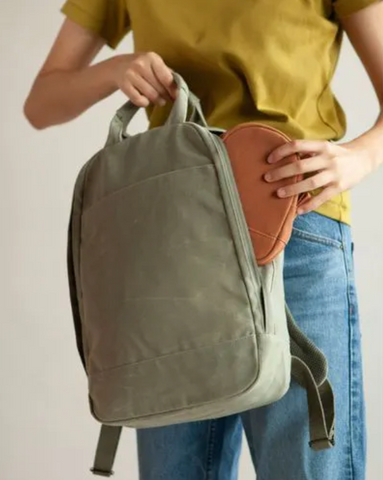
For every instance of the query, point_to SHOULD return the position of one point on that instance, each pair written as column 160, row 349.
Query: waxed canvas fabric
column 174, row 319
column 183, row 301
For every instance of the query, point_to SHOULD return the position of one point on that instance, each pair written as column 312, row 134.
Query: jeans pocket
column 316, row 238
column 319, row 229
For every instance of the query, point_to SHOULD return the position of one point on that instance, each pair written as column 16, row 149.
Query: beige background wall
column 46, row 431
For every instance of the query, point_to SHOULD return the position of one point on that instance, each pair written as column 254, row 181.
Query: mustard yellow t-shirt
column 253, row 60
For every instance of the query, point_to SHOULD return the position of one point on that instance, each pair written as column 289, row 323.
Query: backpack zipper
column 239, row 216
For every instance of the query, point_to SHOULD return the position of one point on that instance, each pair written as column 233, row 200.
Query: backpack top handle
column 178, row 113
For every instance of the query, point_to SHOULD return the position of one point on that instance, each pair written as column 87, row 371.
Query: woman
column 271, row 62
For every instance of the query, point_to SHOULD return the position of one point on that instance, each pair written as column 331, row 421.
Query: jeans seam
column 350, row 355
column 210, row 449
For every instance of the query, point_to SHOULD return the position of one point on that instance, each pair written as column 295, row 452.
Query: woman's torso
column 260, row 60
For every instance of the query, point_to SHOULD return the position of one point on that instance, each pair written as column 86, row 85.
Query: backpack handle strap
column 178, row 113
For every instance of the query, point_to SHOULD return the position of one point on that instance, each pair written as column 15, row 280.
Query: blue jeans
column 320, row 290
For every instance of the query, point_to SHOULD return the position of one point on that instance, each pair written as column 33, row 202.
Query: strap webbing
column 106, row 450
column 309, row 369
column 196, row 114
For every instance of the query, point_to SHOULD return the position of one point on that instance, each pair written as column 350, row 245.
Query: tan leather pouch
column 269, row 217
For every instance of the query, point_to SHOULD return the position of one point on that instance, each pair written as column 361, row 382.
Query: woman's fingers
column 304, row 147
column 318, row 200
column 135, row 96
column 310, row 164
column 156, row 74
column 164, row 76
column 312, row 183
column 146, row 79
column 146, row 89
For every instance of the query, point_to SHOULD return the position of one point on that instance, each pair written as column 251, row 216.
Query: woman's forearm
column 59, row 96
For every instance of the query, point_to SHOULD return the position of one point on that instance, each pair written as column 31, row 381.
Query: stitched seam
column 266, row 235
column 261, row 126
column 118, row 421
column 155, row 177
column 317, row 238
column 74, row 5
column 350, row 370
column 327, row 85
column 179, row 352
column 210, row 449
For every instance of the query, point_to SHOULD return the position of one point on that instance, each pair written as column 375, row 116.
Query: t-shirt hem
column 336, row 210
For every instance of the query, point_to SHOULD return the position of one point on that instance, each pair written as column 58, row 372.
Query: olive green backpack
column 174, row 319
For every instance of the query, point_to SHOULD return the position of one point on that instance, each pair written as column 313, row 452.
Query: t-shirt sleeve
column 107, row 18
column 347, row 7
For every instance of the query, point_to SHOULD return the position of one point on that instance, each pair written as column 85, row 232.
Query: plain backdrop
column 46, row 430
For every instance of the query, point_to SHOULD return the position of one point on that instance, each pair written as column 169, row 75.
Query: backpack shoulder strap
column 309, row 368
column 72, row 257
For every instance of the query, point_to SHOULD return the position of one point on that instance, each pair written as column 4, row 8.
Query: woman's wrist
column 370, row 146
column 118, row 65
column 368, row 155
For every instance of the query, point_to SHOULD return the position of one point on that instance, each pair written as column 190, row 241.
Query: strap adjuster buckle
column 102, row 473
column 322, row 443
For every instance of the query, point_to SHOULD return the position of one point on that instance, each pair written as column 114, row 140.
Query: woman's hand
column 145, row 79
column 334, row 168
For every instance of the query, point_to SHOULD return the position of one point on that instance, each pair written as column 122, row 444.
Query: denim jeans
column 320, row 291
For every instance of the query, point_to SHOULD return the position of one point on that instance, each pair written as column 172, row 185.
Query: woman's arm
column 337, row 168
column 67, row 85
column 365, row 31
